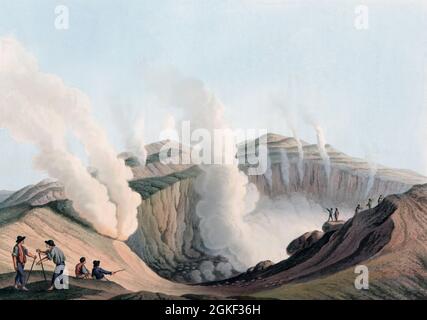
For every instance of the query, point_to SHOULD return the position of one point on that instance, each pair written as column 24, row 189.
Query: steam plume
column 284, row 166
column 300, row 164
column 371, row 178
column 289, row 112
column 111, row 171
column 234, row 221
column 169, row 123
column 291, row 121
column 321, row 143
column 226, row 195
column 372, row 170
column 47, row 99
column 269, row 174
column 136, row 143
column 26, row 96
column 169, row 129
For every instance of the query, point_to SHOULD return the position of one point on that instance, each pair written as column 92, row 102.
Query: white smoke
column 90, row 198
column 169, row 122
column 225, row 269
column 226, row 195
column 136, row 142
column 111, row 171
column 207, row 269
column 371, row 178
column 291, row 119
column 234, row 222
column 169, row 129
column 300, row 164
column 289, row 112
column 321, row 143
column 269, row 174
column 370, row 156
column 38, row 108
column 284, row 166
column 196, row 276
column 222, row 209
column 275, row 223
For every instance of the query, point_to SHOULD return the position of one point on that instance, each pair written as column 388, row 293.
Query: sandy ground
column 77, row 241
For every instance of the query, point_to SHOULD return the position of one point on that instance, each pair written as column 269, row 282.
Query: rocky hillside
column 77, row 240
column 40, row 194
column 390, row 239
column 351, row 180
column 168, row 238
column 4, row 194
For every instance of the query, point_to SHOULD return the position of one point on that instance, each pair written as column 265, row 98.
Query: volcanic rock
column 332, row 225
column 304, row 241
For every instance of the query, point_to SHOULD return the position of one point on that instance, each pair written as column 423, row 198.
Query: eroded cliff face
column 168, row 238
column 351, row 181
column 345, row 186
column 390, row 240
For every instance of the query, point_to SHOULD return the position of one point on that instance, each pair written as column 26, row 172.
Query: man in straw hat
column 54, row 254
column 19, row 257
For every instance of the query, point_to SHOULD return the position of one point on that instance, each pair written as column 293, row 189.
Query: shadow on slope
column 390, row 239
column 78, row 289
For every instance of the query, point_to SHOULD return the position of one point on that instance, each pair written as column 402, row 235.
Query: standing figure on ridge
column 56, row 255
column 330, row 211
column 336, row 214
column 369, row 205
column 358, row 208
column 19, row 258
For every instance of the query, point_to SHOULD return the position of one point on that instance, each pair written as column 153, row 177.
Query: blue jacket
column 99, row 273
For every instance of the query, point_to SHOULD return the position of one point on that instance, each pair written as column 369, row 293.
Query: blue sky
column 367, row 88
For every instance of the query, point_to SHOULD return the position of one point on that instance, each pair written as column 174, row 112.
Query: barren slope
column 390, row 239
column 76, row 241
column 168, row 237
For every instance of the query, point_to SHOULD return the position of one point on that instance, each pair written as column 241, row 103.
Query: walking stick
column 119, row 270
column 29, row 273
column 41, row 262
column 114, row 272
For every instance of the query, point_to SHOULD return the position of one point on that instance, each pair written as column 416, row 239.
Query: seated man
column 81, row 271
column 98, row 273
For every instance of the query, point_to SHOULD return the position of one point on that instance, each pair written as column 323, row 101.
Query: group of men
column 369, row 204
column 333, row 216
column 54, row 254
column 97, row 273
